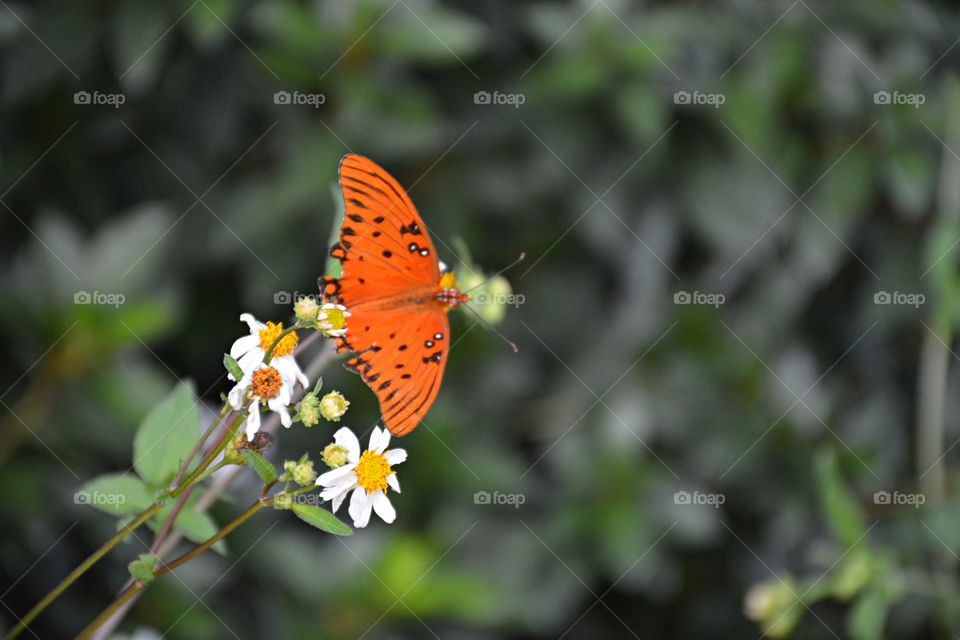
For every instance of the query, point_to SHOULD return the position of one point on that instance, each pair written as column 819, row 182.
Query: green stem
column 269, row 354
column 182, row 471
column 80, row 570
column 138, row 586
column 201, row 471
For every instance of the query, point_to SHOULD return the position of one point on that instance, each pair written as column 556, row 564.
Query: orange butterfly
column 396, row 294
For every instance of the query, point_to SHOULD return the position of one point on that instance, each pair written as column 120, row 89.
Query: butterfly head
column 450, row 294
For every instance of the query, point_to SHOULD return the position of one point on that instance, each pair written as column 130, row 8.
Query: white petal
column 252, row 323
column 381, row 504
column 253, row 420
column 338, row 493
column 333, row 477
column 235, row 397
column 244, row 344
column 379, row 440
column 290, row 371
column 338, row 501
column 346, row 439
column 250, row 360
column 395, row 456
column 360, row 507
column 285, row 418
column 393, row 482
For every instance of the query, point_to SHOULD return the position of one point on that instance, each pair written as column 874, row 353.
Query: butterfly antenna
column 520, row 259
column 491, row 327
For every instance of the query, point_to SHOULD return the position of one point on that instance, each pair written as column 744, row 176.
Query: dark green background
column 618, row 398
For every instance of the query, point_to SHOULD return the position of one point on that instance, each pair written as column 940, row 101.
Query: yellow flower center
column 373, row 471
column 336, row 318
column 448, row 280
column 266, row 383
column 270, row 333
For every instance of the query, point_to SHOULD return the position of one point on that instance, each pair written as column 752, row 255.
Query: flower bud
column 308, row 411
column 774, row 606
column 306, row 309
column 333, row 405
column 335, row 455
column 300, row 472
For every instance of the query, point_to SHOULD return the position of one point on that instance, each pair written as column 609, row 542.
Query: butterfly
column 397, row 294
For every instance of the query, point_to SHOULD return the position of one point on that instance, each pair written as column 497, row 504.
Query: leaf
column 232, row 366
column 321, row 519
column 840, row 508
column 166, row 436
column 263, row 468
column 868, row 616
column 116, row 494
column 144, row 567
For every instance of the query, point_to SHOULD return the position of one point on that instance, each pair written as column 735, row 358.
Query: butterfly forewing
column 390, row 277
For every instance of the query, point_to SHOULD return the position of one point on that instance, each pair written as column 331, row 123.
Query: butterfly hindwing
column 401, row 356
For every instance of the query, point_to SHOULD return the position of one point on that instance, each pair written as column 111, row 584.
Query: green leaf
column 263, row 468
column 167, row 435
column 839, row 506
column 321, row 519
column 232, row 367
column 318, row 386
column 869, row 615
column 116, row 494
column 144, row 567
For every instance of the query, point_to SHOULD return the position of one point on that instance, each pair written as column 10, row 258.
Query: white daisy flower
column 332, row 319
column 264, row 385
column 368, row 475
column 250, row 350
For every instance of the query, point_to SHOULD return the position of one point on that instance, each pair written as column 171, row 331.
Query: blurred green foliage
column 798, row 199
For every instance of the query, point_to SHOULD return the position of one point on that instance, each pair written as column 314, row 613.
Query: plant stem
column 138, row 586
column 80, row 570
column 221, row 484
column 198, row 473
column 182, row 471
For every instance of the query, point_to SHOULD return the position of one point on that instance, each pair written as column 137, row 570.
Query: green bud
column 335, row 455
column 144, row 567
column 283, row 501
column 308, row 411
column 333, row 406
column 306, row 309
column 774, row 605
